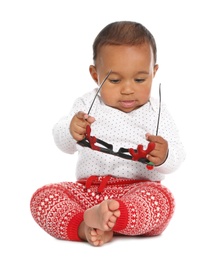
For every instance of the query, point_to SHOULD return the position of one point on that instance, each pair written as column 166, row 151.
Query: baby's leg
column 146, row 209
column 55, row 209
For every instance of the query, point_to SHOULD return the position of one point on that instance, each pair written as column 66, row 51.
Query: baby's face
column 129, row 85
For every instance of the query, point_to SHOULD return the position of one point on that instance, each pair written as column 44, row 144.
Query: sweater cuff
column 122, row 221
column 73, row 226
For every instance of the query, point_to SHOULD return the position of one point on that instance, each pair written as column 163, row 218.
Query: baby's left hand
column 160, row 152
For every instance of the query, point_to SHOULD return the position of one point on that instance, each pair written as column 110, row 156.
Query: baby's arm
column 71, row 129
column 169, row 151
column 68, row 130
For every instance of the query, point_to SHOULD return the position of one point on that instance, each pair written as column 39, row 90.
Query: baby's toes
column 112, row 222
column 117, row 213
column 97, row 243
column 113, row 219
column 99, row 232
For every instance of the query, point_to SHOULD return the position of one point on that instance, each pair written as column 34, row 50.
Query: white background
column 45, row 52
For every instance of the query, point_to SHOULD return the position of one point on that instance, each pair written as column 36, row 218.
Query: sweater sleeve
column 176, row 156
column 61, row 130
column 62, row 137
column 176, row 153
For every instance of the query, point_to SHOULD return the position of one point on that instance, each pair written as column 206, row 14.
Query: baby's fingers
column 152, row 157
column 83, row 116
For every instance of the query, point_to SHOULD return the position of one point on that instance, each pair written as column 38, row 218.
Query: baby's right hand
column 78, row 125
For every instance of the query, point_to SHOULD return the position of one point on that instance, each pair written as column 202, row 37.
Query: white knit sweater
column 120, row 129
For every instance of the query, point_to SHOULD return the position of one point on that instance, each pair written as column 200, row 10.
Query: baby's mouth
column 128, row 103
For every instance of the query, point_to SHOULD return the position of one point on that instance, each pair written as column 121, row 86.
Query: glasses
column 138, row 154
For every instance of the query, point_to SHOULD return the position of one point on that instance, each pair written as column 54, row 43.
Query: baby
column 122, row 157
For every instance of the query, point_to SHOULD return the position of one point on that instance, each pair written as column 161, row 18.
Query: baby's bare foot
column 102, row 216
column 97, row 237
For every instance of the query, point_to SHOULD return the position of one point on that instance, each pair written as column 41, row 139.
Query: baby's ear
column 156, row 67
column 93, row 73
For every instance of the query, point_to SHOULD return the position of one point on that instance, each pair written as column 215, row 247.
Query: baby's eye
column 139, row 80
column 114, row 81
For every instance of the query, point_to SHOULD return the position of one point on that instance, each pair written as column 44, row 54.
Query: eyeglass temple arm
column 158, row 119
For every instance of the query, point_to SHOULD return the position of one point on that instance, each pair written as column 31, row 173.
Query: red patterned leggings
column 146, row 207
